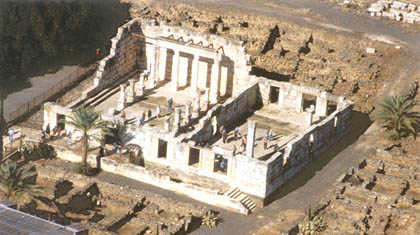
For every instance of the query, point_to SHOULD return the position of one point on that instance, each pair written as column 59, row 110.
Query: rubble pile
column 380, row 196
column 287, row 52
column 394, row 10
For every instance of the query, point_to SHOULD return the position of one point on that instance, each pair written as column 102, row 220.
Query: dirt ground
column 284, row 46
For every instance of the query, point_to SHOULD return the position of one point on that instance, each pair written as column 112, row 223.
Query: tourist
column 149, row 114
column 98, row 51
column 236, row 133
column 59, row 131
column 265, row 143
column 118, row 150
column 222, row 164
column 158, row 110
column 142, row 117
column 11, row 133
column 269, row 134
column 242, row 148
column 170, row 102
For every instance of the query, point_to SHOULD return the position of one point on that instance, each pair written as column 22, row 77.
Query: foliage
column 79, row 168
column 311, row 224
column 396, row 115
column 209, row 220
column 15, row 182
column 122, row 136
column 89, row 122
column 35, row 151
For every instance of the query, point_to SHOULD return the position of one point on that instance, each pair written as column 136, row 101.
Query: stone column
column 140, row 86
column 122, row 99
column 131, row 94
column 340, row 103
column 321, row 105
column 188, row 111
column 196, row 106
column 281, row 96
column 163, row 53
column 152, row 63
column 194, row 75
column 175, row 69
column 252, row 126
column 309, row 116
column 206, row 99
column 299, row 102
column 177, row 118
column 215, row 80
column 167, row 124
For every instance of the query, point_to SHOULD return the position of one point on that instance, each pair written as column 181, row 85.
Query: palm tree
column 15, row 184
column 396, row 114
column 88, row 122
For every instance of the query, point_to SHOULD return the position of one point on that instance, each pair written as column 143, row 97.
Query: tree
column 396, row 115
column 311, row 224
column 2, row 123
column 89, row 122
column 15, row 184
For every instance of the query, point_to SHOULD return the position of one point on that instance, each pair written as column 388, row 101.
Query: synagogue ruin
column 208, row 79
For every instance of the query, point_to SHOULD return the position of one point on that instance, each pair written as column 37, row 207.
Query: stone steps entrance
column 237, row 194
column 111, row 90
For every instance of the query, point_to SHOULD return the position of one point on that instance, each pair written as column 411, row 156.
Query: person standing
column 265, row 143
column 158, row 110
column 236, row 133
column 59, row 131
column 170, row 102
column 149, row 115
column 269, row 134
column 142, row 117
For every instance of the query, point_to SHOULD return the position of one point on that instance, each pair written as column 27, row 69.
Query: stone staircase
column 237, row 194
column 110, row 90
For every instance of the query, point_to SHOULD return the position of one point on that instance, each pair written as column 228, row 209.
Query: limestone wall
column 122, row 59
column 307, row 146
column 227, row 112
column 235, row 65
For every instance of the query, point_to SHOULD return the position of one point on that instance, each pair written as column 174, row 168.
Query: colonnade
column 157, row 65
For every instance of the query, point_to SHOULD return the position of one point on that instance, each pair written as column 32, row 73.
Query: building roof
column 16, row 222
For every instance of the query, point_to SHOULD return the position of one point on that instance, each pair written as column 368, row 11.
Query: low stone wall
column 212, row 197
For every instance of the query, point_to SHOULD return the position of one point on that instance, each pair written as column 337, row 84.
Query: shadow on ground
column 360, row 123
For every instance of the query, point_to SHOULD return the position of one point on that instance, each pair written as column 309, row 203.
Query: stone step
column 111, row 87
column 232, row 191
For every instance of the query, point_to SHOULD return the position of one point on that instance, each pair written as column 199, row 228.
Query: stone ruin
column 207, row 77
column 394, row 10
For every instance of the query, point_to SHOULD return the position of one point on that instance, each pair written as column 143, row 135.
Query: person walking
column 170, row 102
column 269, row 134
column 236, row 133
column 141, row 121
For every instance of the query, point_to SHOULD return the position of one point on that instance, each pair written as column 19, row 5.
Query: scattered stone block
column 370, row 50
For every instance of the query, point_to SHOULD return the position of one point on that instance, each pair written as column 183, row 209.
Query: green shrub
column 209, row 220
column 79, row 168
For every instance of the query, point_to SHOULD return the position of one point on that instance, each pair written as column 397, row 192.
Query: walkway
column 39, row 85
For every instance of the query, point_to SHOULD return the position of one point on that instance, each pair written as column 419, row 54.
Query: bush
column 209, row 220
column 79, row 168
column 311, row 224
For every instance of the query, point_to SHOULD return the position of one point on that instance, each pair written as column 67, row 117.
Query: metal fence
column 54, row 89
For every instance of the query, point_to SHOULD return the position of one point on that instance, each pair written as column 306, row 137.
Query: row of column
column 158, row 71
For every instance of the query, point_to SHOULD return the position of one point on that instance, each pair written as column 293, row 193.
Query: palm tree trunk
column 2, row 123
column 85, row 148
